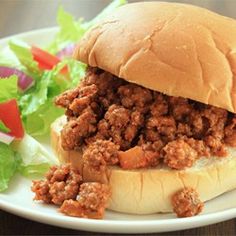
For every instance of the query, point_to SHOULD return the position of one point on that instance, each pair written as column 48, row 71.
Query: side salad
column 30, row 78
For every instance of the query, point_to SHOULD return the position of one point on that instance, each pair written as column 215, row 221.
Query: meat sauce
column 125, row 115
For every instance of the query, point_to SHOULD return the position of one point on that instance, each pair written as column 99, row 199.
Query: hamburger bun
column 146, row 191
column 177, row 49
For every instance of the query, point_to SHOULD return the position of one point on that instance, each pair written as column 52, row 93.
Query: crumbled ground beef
column 99, row 154
column 63, row 186
column 216, row 146
column 159, row 106
column 179, row 155
column 199, row 146
column 186, row 203
column 61, row 183
column 134, row 96
column 91, row 203
column 164, row 126
column 179, row 108
column 106, row 107
column 85, row 100
column 77, row 129
column 66, row 98
column 230, row 133
column 41, row 190
column 121, row 125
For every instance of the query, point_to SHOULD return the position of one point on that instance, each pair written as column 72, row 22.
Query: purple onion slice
column 66, row 51
column 24, row 81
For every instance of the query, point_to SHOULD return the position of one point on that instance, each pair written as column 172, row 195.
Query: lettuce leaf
column 8, row 58
column 9, row 89
column 35, row 159
column 23, row 53
column 9, row 163
column 70, row 31
column 3, row 127
column 34, row 171
column 31, row 101
column 26, row 156
column 38, row 123
column 76, row 70
column 37, row 108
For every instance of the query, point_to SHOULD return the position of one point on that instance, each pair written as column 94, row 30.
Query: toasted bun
column 177, row 49
column 147, row 191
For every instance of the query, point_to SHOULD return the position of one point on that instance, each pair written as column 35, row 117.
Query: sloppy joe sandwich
column 151, row 127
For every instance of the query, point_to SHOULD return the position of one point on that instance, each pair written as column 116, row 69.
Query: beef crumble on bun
column 154, row 117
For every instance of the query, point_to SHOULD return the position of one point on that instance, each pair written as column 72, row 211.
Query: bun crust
column 147, row 191
column 177, row 49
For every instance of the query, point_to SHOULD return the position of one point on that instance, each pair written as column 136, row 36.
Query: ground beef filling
column 186, row 202
column 61, row 183
column 91, row 202
column 176, row 130
column 64, row 186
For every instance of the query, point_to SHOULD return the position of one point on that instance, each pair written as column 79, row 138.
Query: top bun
column 177, row 49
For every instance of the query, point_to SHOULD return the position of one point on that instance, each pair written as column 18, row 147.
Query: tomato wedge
column 10, row 116
column 46, row 61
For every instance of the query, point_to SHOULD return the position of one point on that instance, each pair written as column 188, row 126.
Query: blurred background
column 23, row 15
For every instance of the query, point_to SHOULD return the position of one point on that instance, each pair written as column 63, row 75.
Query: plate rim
column 113, row 226
column 28, row 33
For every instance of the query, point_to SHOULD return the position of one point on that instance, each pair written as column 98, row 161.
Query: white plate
column 18, row 198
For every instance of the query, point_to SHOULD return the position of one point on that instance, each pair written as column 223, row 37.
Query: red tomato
column 46, row 61
column 10, row 116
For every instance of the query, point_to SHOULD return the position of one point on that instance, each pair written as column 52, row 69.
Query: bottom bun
column 146, row 191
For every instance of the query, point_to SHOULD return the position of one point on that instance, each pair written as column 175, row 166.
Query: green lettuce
column 38, row 123
column 8, row 58
column 37, row 106
column 31, row 101
column 3, row 127
column 76, row 71
column 35, row 159
column 34, row 171
column 23, row 53
column 70, row 31
column 9, row 89
column 9, row 163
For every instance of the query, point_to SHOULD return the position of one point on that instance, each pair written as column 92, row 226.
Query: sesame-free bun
column 177, row 49
column 146, row 191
